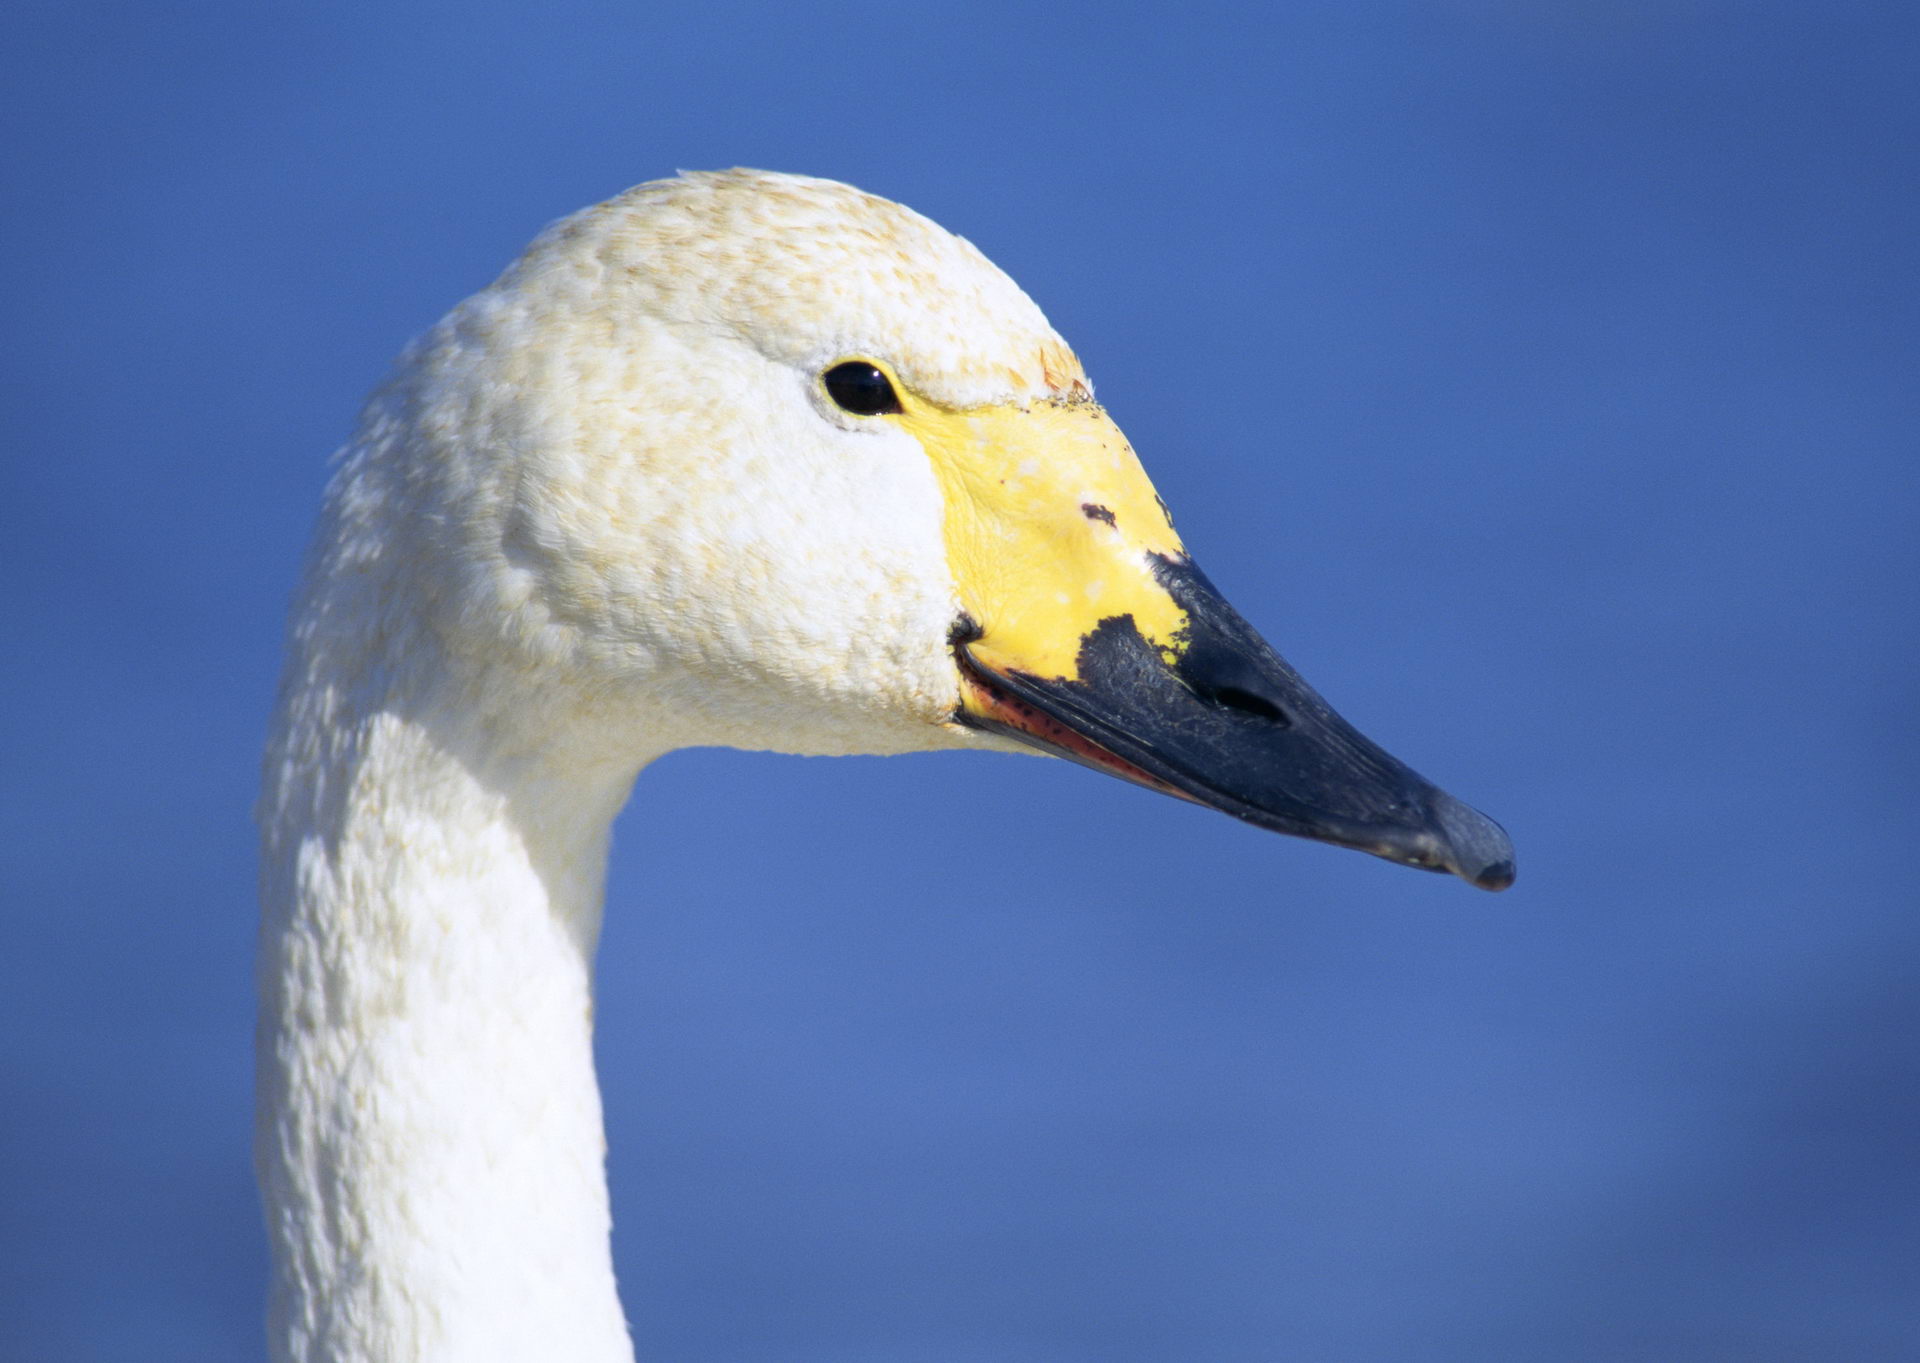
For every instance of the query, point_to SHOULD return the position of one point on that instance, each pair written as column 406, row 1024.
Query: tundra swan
column 734, row 458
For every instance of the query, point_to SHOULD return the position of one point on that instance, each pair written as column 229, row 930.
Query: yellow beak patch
column 1050, row 527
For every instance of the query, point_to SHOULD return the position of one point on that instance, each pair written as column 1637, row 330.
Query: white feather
column 600, row 512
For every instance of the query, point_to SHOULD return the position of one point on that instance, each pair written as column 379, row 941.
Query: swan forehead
column 808, row 270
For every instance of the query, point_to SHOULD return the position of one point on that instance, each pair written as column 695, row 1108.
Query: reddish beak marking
column 986, row 704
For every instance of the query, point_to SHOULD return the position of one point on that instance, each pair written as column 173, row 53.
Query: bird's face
column 822, row 478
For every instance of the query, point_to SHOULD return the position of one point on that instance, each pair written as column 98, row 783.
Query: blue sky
column 1540, row 378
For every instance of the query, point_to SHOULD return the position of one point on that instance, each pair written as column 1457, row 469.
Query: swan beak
column 1087, row 632
column 1228, row 724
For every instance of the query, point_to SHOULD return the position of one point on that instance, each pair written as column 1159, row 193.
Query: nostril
column 1247, row 703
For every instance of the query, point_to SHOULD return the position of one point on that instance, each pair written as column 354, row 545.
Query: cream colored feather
column 739, row 459
column 600, row 512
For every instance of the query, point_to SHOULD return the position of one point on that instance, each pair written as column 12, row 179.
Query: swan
column 733, row 458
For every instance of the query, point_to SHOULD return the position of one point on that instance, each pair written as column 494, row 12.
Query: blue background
column 1543, row 378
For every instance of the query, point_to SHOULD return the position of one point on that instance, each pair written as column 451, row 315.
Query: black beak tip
column 1474, row 847
column 1495, row 877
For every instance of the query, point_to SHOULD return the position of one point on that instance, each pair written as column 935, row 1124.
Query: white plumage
column 606, row 509
column 599, row 513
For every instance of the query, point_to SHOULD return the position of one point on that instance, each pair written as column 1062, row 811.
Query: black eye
column 860, row 388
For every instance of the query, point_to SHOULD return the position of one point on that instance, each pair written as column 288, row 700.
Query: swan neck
column 429, row 1136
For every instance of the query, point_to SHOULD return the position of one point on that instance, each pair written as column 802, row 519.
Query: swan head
column 766, row 461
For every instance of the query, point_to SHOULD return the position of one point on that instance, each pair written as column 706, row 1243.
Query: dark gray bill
column 1230, row 725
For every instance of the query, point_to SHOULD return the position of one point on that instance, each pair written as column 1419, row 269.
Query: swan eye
column 860, row 388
